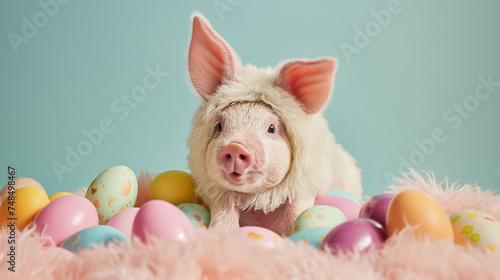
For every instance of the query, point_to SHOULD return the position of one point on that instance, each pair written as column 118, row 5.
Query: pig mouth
column 240, row 179
column 235, row 176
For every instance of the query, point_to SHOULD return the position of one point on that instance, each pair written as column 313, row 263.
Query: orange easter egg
column 415, row 208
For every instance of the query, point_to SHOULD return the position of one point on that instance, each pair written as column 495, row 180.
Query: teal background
column 392, row 92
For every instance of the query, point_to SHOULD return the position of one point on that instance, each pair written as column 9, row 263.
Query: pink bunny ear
column 211, row 60
column 310, row 82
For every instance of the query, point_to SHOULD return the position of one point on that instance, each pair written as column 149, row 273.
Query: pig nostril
column 235, row 159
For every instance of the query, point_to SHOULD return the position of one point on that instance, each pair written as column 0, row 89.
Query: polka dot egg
column 113, row 190
column 476, row 228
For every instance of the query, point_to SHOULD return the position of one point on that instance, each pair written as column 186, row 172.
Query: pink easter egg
column 20, row 183
column 124, row 220
column 259, row 236
column 65, row 216
column 162, row 219
column 346, row 205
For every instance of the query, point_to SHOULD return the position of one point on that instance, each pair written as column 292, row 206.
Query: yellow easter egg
column 27, row 202
column 415, row 208
column 173, row 186
column 58, row 194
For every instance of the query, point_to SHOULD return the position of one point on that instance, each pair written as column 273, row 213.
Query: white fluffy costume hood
column 318, row 163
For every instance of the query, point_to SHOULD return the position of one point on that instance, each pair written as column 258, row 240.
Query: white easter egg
column 113, row 190
column 476, row 228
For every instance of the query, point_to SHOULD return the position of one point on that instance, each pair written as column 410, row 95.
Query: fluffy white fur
column 318, row 162
column 297, row 92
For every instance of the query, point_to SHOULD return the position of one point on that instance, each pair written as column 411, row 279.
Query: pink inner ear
column 211, row 60
column 308, row 81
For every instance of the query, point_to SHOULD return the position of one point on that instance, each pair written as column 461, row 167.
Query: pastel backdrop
column 89, row 85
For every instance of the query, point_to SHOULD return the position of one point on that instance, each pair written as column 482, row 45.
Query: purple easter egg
column 375, row 208
column 356, row 235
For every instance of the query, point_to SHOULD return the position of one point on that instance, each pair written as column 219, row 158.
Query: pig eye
column 271, row 129
column 218, row 127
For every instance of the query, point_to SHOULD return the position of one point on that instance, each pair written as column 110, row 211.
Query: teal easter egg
column 93, row 236
column 343, row 194
column 113, row 190
column 313, row 237
column 319, row 216
column 197, row 214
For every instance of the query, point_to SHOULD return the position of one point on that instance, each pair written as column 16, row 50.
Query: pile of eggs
column 337, row 223
column 107, row 213
column 363, row 227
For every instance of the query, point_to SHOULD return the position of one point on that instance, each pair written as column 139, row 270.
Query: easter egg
column 415, row 208
column 58, row 194
column 124, row 220
column 476, row 228
column 199, row 215
column 343, row 194
column 93, row 236
column 356, row 235
column 162, row 219
column 313, row 237
column 346, row 205
column 173, row 186
column 20, row 183
column 113, row 190
column 375, row 208
column 23, row 206
column 320, row 216
column 259, row 236
column 65, row 216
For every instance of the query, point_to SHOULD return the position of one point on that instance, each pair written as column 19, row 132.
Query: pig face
column 249, row 150
column 257, row 129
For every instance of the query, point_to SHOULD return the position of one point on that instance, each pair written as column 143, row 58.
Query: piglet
column 260, row 149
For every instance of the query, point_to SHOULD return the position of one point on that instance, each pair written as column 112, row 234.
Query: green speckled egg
column 319, row 216
column 197, row 214
column 112, row 191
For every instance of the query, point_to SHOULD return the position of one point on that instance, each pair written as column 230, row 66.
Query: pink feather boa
column 221, row 256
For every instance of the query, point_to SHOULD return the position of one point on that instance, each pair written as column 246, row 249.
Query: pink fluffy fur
column 221, row 256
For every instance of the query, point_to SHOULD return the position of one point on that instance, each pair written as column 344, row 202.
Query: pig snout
column 235, row 158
